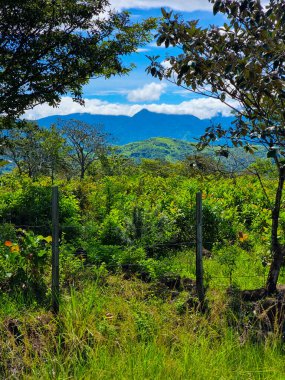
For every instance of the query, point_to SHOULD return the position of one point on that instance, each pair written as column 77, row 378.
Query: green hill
column 158, row 148
column 173, row 150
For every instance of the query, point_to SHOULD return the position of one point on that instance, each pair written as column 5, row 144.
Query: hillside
column 144, row 125
column 158, row 148
column 174, row 150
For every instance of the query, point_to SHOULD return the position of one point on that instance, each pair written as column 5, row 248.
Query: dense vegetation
column 241, row 64
column 128, row 297
column 130, row 307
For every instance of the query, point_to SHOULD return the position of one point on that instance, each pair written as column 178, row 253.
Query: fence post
column 199, row 248
column 55, row 252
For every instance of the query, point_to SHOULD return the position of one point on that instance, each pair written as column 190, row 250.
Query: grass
column 121, row 330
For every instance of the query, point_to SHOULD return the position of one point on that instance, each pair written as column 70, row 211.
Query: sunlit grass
column 121, row 330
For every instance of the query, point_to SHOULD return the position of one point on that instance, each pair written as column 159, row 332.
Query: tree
column 242, row 64
column 55, row 151
column 35, row 151
column 86, row 141
column 53, row 47
column 22, row 147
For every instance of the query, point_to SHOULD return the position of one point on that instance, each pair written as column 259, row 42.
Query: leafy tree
column 35, row 150
column 242, row 64
column 23, row 147
column 52, row 47
column 112, row 164
column 55, row 151
column 86, row 141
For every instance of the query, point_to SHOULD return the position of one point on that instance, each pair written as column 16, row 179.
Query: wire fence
column 217, row 277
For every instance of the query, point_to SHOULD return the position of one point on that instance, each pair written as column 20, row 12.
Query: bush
column 23, row 262
column 31, row 207
column 113, row 231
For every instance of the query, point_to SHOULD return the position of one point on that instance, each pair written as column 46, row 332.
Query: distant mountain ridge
column 145, row 125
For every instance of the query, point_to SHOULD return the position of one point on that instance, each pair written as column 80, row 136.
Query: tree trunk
column 52, row 175
column 277, row 250
column 82, row 172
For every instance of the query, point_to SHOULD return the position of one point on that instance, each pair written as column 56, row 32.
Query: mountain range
column 144, row 125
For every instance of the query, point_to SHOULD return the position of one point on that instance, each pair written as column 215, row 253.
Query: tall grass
column 121, row 330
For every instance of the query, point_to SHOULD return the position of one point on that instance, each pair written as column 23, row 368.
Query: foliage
column 187, row 158
column 30, row 207
column 87, row 143
column 23, row 263
column 52, row 48
column 240, row 60
column 157, row 148
column 35, row 151
column 115, row 304
column 139, row 223
column 242, row 65
column 228, row 257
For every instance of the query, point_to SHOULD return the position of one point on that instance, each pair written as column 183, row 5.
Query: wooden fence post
column 55, row 252
column 199, row 248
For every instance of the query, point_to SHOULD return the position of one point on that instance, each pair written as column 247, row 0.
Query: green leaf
column 41, row 253
column 160, row 40
column 153, row 71
column 48, row 239
column 164, row 13
column 216, row 7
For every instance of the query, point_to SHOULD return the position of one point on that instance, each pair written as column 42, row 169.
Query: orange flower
column 8, row 243
column 15, row 248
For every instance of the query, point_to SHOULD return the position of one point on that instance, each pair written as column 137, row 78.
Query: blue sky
column 127, row 95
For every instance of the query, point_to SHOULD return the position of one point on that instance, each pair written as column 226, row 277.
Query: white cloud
column 203, row 108
column 154, row 45
column 92, row 106
column 142, row 50
column 108, row 92
column 149, row 92
column 178, row 5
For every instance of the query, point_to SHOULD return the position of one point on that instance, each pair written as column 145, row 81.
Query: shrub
column 31, row 207
column 23, row 262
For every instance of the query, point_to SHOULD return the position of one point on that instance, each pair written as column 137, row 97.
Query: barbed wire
column 124, row 266
column 62, row 227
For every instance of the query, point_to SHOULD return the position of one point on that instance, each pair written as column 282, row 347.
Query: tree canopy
column 52, row 47
column 241, row 63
